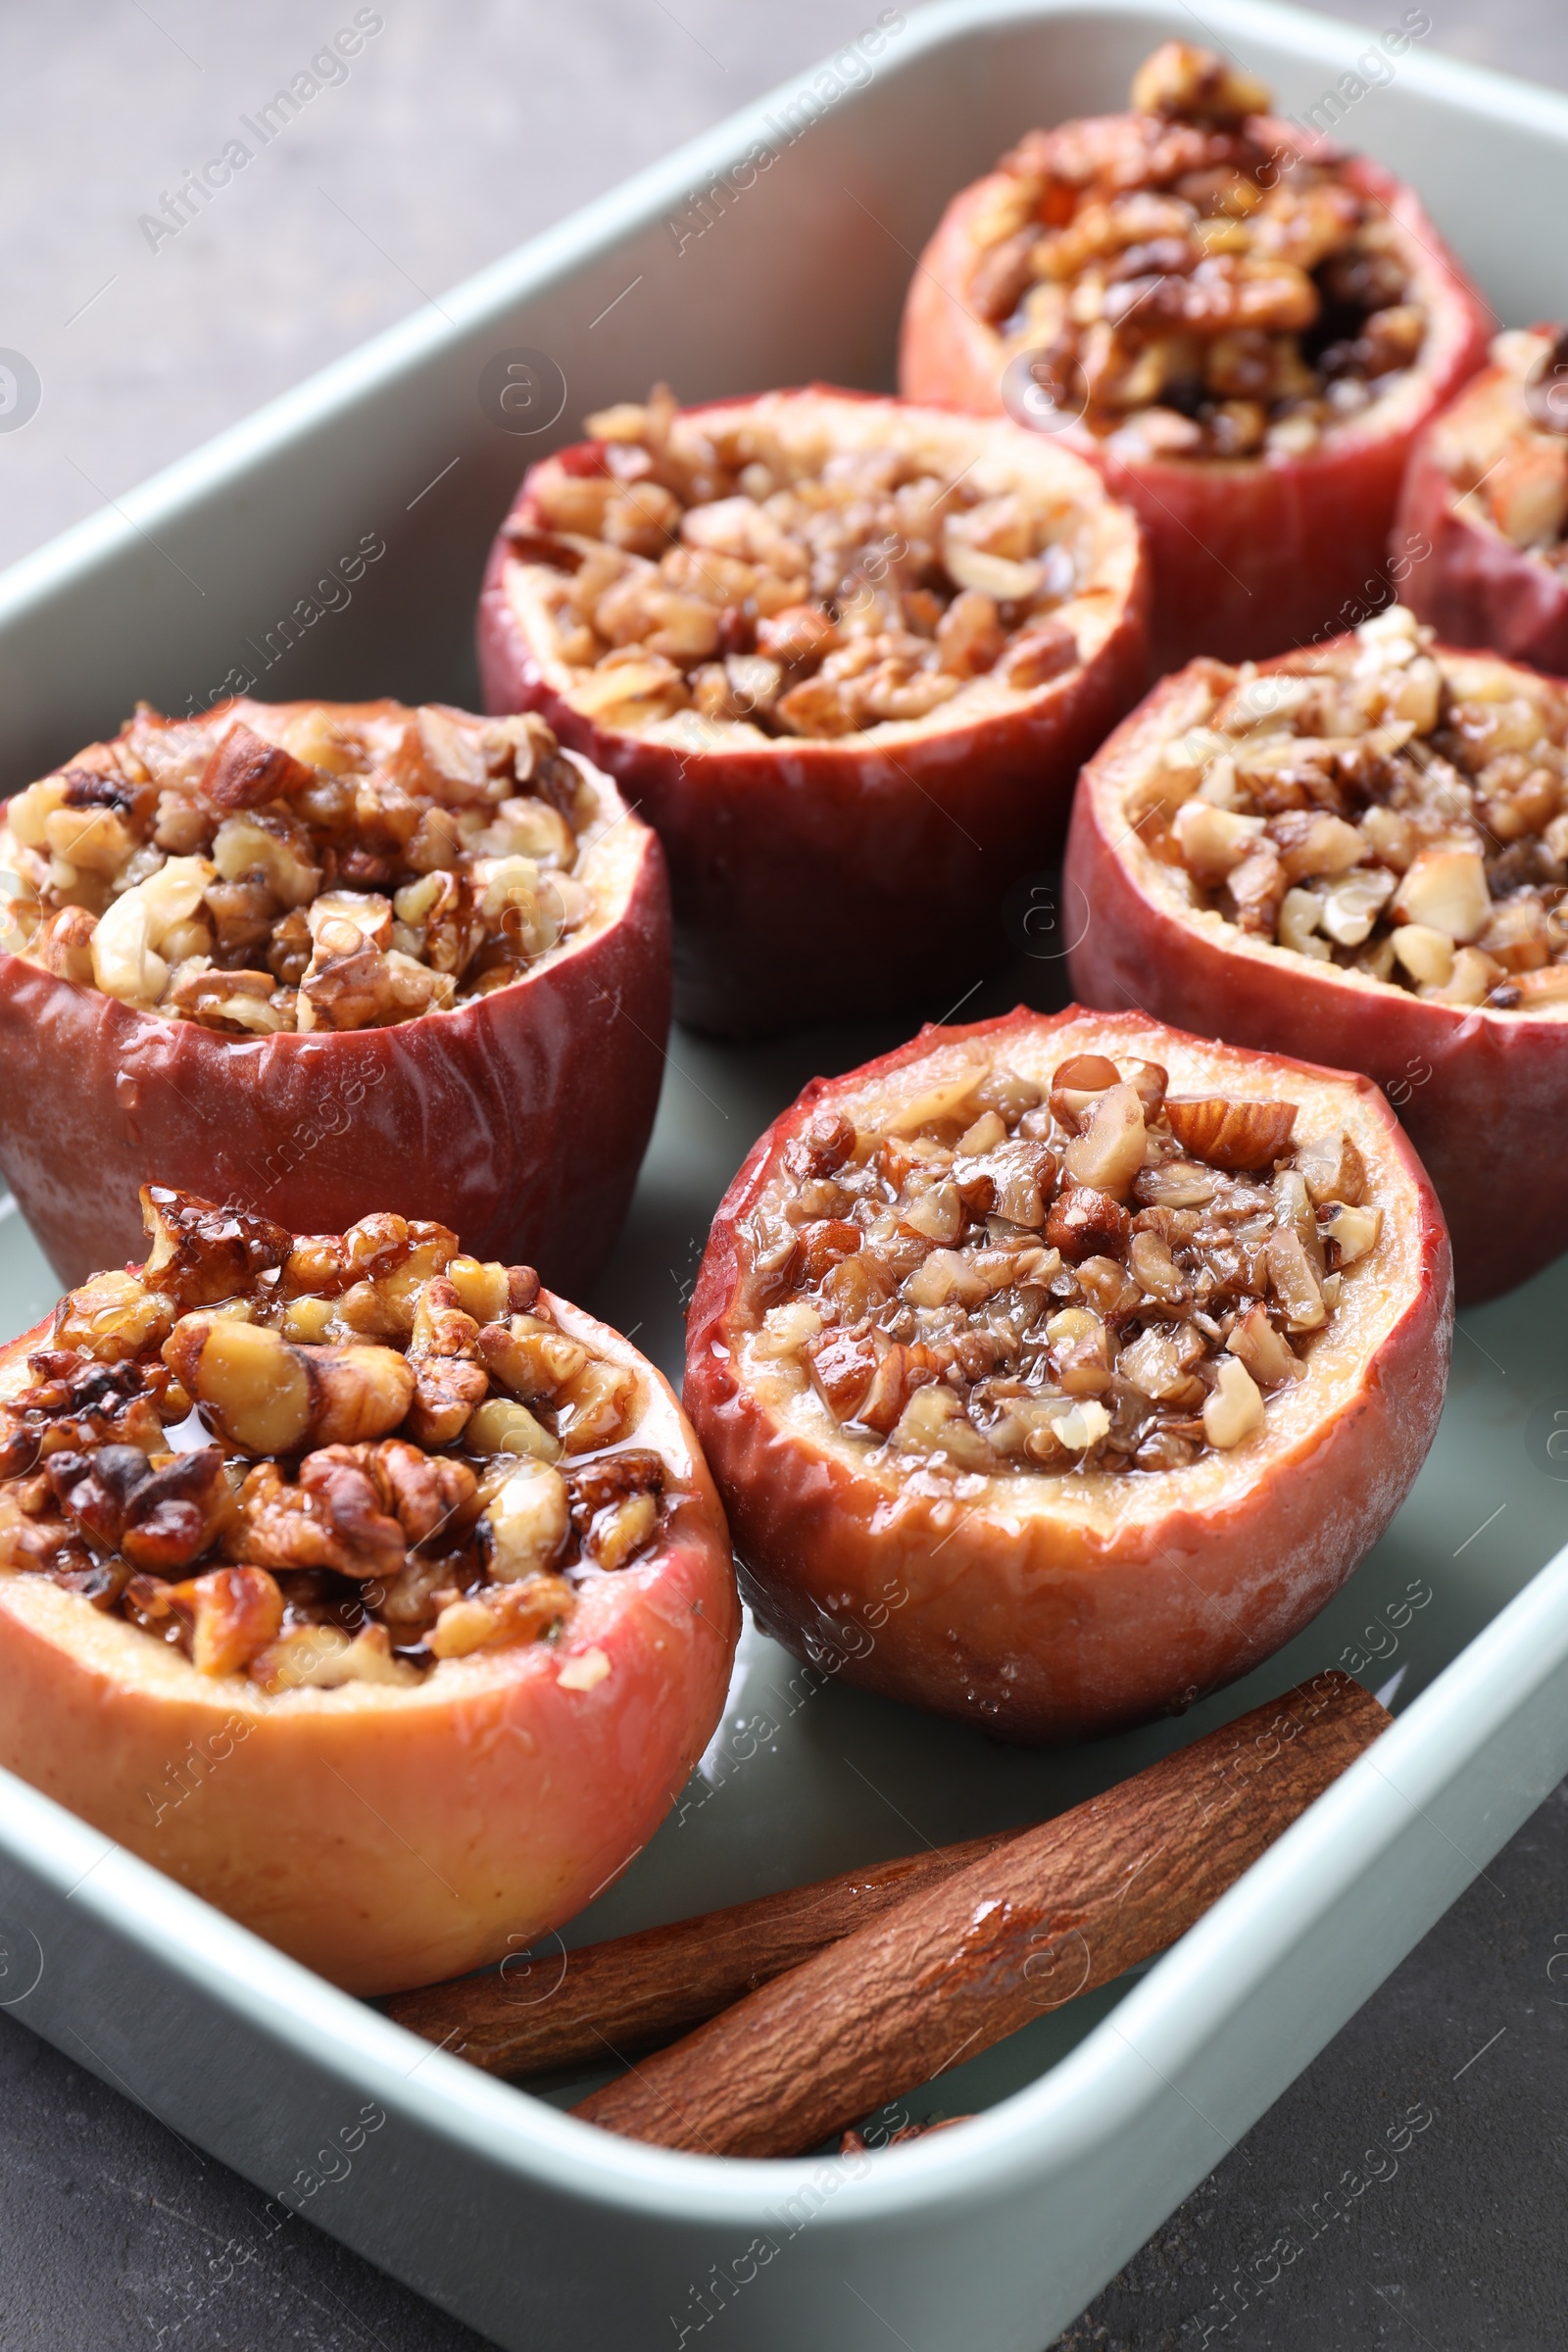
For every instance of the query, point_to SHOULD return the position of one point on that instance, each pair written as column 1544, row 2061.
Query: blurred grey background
column 455, row 134
column 452, row 135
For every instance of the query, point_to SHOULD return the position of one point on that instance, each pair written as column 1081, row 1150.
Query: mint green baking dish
column 334, row 544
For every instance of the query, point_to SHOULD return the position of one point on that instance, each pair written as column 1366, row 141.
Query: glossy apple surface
column 390, row 1835
column 520, row 1118
column 1482, row 1093
column 1250, row 554
column 810, row 873
column 1050, row 1608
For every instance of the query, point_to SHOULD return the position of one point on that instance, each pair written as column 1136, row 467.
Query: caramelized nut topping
column 1128, row 1325
column 736, row 577
column 261, row 869
column 352, row 1505
column 1395, row 811
column 1188, row 284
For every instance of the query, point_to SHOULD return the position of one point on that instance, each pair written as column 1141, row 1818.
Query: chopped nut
column 268, row 1396
column 1157, row 1271
column 597, row 1405
column 1294, row 1281
column 1213, row 840
column 1353, row 1230
column 502, row 1616
column 483, row 1291
column 1186, row 81
column 236, row 1613
column 1084, row 1222
column 1472, row 980
column 1334, row 1169
column 1235, row 1408
column 1229, row 1134
column 1109, row 1152
column 245, row 771
column 1445, row 891
column 112, row 1317
column 322, row 1657
column 1427, row 955
column 499, row 1426
column 934, row 1421
column 528, row 1522
column 618, row 1533
column 529, row 1358
column 1268, row 1357
column 936, row 1216
column 447, row 1392
column 200, row 1252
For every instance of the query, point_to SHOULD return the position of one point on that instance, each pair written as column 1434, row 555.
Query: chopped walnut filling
column 323, row 1459
column 732, row 566
column 1187, row 285
column 1396, row 812
column 261, row 869
column 1101, row 1277
column 1510, row 460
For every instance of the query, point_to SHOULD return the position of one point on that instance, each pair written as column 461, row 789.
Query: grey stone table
column 452, row 135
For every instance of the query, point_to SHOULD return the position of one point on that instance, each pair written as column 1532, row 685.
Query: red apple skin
column 1482, row 1093
column 1041, row 1630
column 1471, row 585
column 391, row 1836
column 520, row 1119
column 1250, row 556
column 814, row 873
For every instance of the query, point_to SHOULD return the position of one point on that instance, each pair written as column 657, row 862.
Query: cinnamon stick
column 955, row 1967
column 612, row 2000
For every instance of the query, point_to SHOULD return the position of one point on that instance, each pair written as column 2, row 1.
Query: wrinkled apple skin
column 389, row 1837
column 1250, row 554
column 1482, row 1093
column 1017, row 1616
column 815, row 874
column 519, row 1119
column 1474, row 586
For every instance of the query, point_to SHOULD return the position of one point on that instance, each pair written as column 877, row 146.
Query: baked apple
column 1485, row 507
column 315, row 956
column 1056, row 1371
column 1243, row 328
column 1359, row 851
column 369, row 1590
column 845, row 656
